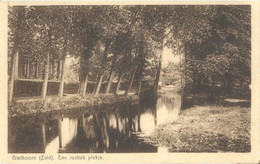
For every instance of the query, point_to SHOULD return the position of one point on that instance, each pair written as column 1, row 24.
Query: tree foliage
column 115, row 41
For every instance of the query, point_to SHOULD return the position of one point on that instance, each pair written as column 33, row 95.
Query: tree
column 154, row 20
column 45, row 23
column 103, row 65
column 88, row 34
column 17, row 33
column 109, row 20
column 212, row 41
column 212, row 38
column 68, row 30
column 122, row 44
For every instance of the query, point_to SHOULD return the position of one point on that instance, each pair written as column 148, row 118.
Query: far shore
column 27, row 106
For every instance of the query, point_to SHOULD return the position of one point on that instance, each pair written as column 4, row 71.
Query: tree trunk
column 140, row 74
column 59, row 68
column 110, row 81
column 15, row 54
column 13, row 76
column 52, row 69
column 28, row 69
column 139, row 120
column 104, row 61
column 83, row 71
column 139, row 87
column 99, row 84
column 83, row 86
column 131, row 81
column 46, row 76
column 61, row 88
column 183, row 84
column 155, row 87
column 118, row 83
column 112, row 72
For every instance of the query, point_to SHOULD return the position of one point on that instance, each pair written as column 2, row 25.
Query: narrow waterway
column 123, row 128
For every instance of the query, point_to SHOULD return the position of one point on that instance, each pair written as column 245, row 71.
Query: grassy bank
column 207, row 128
column 31, row 106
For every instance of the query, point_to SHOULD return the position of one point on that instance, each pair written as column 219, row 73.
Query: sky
column 167, row 55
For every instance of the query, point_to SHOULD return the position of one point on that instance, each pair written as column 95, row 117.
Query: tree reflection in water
column 115, row 130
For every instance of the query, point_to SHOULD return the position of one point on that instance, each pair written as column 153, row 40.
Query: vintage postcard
column 135, row 82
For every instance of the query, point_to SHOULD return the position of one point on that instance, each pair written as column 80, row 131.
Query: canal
column 117, row 129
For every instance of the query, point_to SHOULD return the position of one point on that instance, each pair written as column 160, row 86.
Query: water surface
column 122, row 128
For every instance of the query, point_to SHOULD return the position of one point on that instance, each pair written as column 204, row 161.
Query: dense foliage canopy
column 126, row 42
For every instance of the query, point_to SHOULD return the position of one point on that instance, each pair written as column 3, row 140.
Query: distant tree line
column 216, row 45
column 126, row 42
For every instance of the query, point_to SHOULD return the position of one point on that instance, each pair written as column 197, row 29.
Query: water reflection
column 67, row 132
column 119, row 130
column 168, row 109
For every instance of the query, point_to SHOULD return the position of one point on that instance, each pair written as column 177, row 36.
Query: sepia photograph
column 129, row 78
column 94, row 79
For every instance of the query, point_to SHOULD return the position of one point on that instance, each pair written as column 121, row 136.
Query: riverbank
column 210, row 128
column 29, row 106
